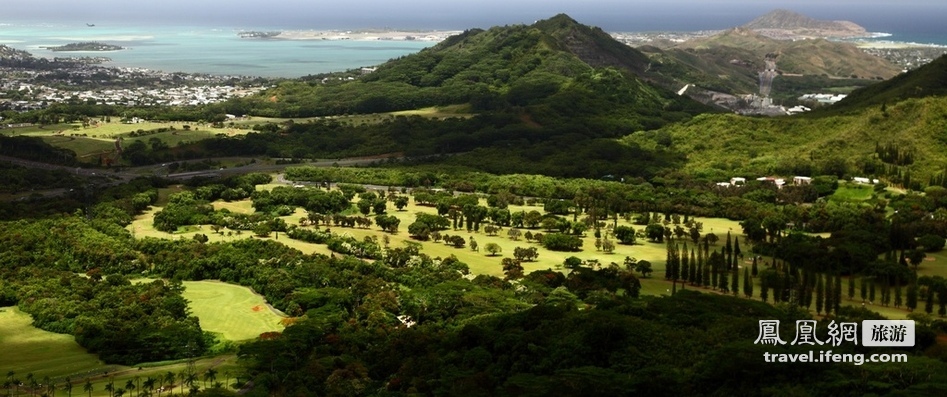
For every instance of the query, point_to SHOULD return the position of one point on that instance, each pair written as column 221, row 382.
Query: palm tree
column 9, row 383
column 110, row 387
column 130, row 386
column 32, row 382
column 119, row 392
column 210, row 375
column 150, row 385
column 191, row 380
column 68, row 386
column 182, row 376
column 88, row 386
column 50, row 387
column 16, row 386
column 169, row 380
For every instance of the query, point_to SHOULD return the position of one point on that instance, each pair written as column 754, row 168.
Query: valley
column 529, row 209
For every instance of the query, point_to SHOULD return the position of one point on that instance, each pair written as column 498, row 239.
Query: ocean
column 218, row 51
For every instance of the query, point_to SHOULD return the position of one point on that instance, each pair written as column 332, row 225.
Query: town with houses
column 42, row 96
column 30, row 83
column 796, row 181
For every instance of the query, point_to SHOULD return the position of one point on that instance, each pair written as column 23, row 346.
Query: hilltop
column 784, row 23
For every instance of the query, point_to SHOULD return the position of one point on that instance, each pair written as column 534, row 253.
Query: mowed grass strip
column 235, row 312
column 481, row 263
column 26, row 349
column 143, row 226
column 851, row 193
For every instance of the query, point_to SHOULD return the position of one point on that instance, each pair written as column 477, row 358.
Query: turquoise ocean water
column 207, row 50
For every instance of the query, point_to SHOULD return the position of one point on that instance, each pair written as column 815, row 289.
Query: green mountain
column 925, row 81
column 906, row 115
column 549, row 97
column 521, row 65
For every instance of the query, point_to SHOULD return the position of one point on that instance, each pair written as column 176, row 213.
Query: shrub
column 561, row 242
column 931, row 242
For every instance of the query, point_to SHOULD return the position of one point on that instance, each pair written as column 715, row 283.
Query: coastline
column 890, row 44
column 364, row 35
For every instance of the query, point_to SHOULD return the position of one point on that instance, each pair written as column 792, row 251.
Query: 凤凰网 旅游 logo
column 867, row 333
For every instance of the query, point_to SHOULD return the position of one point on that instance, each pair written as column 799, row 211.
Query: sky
column 612, row 15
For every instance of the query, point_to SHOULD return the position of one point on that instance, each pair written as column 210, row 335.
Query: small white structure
column 861, row 181
column 723, row 184
column 779, row 182
column 406, row 321
column 797, row 109
column 801, row 180
column 737, row 181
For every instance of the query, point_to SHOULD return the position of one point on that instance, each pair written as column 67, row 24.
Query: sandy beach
column 366, row 35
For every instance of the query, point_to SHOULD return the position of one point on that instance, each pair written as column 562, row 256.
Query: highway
column 118, row 176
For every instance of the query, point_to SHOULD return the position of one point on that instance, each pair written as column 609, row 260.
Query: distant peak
column 783, row 19
column 562, row 17
column 557, row 22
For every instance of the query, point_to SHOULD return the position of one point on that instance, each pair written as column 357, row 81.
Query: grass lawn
column 88, row 143
column 852, row 193
column 26, row 349
column 235, row 312
column 86, row 149
column 481, row 263
column 143, row 226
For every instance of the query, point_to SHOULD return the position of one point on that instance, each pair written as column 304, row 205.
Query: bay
column 218, row 51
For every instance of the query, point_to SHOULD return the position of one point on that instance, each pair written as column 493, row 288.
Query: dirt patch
column 930, row 259
column 256, row 308
column 529, row 121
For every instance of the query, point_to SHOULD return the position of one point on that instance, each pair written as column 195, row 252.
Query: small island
column 86, row 46
column 258, row 35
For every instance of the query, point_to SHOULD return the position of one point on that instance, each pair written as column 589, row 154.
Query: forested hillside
column 901, row 140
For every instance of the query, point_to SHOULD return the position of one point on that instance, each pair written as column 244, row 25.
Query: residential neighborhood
column 32, row 83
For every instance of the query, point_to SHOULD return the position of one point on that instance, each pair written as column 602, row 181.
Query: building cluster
column 778, row 182
column 908, row 57
column 637, row 39
column 827, row 99
column 796, row 181
column 28, row 89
